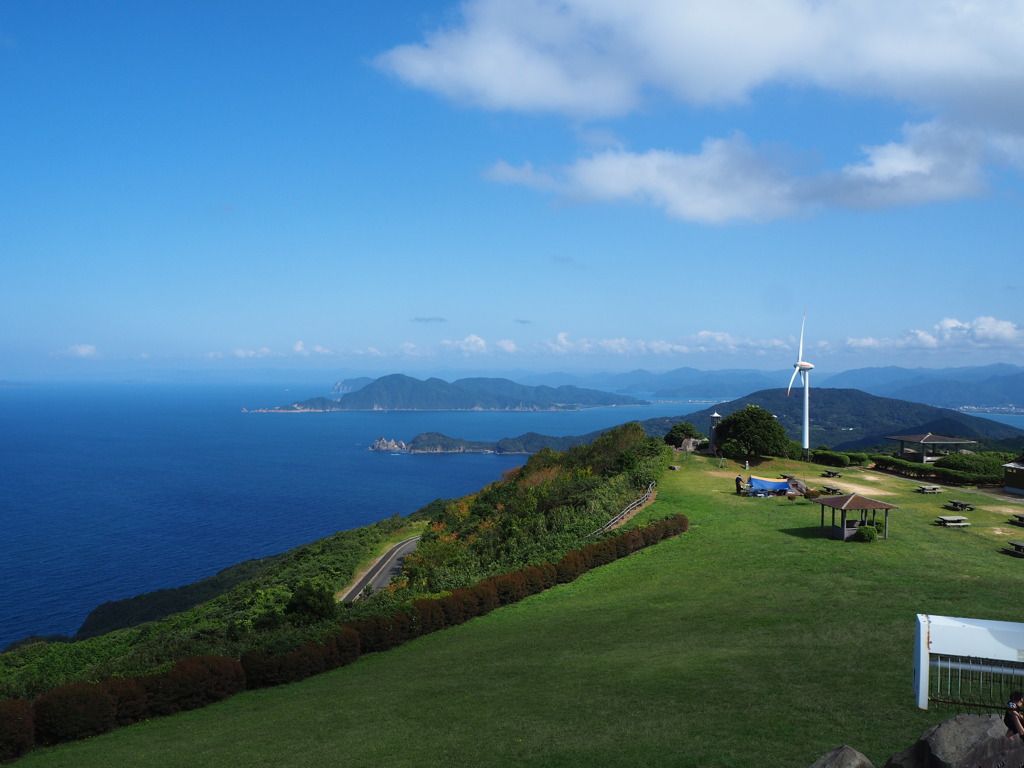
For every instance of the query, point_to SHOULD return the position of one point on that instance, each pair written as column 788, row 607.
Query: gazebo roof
column 1017, row 463
column 930, row 439
column 853, row 501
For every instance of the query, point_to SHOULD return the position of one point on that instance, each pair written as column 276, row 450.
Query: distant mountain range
column 998, row 386
column 841, row 419
column 995, row 386
column 398, row 392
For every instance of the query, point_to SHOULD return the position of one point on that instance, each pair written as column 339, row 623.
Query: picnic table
column 1016, row 548
column 958, row 506
column 1019, row 518
column 831, row 490
column 830, row 473
column 952, row 521
column 928, row 489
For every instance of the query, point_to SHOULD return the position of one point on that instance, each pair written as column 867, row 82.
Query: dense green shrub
column 830, row 458
column 72, row 712
column 935, row 473
column 17, row 728
column 985, row 463
column 311, row 602
column 866, row 533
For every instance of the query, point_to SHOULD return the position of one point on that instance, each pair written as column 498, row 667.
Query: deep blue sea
column 108, row 491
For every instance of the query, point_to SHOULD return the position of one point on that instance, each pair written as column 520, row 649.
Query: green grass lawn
column 750, row 640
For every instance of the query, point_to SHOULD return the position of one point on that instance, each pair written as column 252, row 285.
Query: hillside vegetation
column 750, row 640
column 535, row 514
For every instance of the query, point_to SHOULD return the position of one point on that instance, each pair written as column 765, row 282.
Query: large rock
column 965, row 741
column 383, row 444
column 843, row 757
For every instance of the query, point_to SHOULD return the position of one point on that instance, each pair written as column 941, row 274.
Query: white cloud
column 253, row 353
column 603, row 57
column 934, row 162
column 957, row 65
column 507, row 345
column 951, row 334
column 471, row 345
column 370, row 352
column 80, row 350
column 730, row 179
column 300, row 348
column 727, row 179
column 702, row 342
column 409, row 349
column 519, row 54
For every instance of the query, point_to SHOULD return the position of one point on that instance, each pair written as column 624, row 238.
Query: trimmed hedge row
column 84, row 709
column 918, row 470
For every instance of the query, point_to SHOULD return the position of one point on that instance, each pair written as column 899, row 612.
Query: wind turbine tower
column 803, row 368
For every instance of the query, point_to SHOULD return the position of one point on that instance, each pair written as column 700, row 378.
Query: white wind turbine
column 803, row 368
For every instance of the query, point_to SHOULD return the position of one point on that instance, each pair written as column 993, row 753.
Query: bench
column 1018, row 518
column 830, row 473
column 958, row 506
column 952, row 521
column 1016, row 548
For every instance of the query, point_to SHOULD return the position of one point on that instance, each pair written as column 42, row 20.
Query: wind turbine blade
column 800, row 354
column 795, row 372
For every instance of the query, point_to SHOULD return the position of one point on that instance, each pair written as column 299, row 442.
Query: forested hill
column 841, row 419
column 398, row 392
column 848, row 419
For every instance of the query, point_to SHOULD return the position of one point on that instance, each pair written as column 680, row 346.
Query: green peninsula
column 398, row 392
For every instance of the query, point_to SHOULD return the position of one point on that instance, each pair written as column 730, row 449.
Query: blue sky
column 503, row 185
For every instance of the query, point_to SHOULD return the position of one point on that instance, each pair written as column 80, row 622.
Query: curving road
column 387, row 566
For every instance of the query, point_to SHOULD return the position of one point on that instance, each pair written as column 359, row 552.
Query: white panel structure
column 973, row 659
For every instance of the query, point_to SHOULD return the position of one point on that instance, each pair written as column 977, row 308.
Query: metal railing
column 965, row 682
column 633, row 505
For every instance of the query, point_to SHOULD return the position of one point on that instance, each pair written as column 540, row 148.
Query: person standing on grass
column 1014, row 717
column 739, row 484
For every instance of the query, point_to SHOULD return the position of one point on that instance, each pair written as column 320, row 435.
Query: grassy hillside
column 749, row 640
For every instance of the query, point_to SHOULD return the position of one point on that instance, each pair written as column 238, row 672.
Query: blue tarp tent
column 767, row 484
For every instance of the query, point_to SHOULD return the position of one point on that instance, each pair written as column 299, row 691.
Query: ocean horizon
column 115, row 490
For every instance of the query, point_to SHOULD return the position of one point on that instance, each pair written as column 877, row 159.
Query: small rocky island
column 389, row 446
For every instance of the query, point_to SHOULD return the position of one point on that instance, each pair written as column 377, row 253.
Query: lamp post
column 715, row 418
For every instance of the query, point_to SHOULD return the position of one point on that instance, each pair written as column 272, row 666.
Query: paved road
column 389, row 564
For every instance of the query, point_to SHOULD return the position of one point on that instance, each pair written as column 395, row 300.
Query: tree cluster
column 751, row 432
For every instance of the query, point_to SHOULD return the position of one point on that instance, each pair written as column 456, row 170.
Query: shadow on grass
column 811, row 532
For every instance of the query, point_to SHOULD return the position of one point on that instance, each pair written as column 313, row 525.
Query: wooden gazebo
column 932, row 447
column 853, row 502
